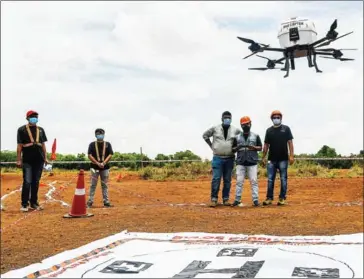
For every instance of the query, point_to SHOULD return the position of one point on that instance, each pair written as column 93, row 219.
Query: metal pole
column 141, row 157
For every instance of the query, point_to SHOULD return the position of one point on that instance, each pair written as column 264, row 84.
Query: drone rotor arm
column 330, row 41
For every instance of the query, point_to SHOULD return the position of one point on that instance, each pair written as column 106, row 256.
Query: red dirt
column 315, row 207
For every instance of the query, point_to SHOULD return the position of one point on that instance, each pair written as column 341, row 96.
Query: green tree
column 326, row 151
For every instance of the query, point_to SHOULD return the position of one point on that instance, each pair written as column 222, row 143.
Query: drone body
column 298, row 38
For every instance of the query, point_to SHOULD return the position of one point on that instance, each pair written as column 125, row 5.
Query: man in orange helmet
column 277, row 137
column 246, row 144
column 31, row 156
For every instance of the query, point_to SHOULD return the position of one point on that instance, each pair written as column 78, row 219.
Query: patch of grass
column 198, row 170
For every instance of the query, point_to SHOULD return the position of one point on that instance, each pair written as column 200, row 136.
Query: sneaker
column 237, row 203
column 267, row 202
column 213, row 204
column 24, row 209
column 107, row 204
column 36, row 206
column 256, row 203
column 226, row 203
column 89, row 204
column 281, row 202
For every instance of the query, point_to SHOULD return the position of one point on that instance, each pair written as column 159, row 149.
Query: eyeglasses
column 276, row 117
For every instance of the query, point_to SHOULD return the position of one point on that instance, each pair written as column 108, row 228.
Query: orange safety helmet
column 245, row 120
column 275, row 112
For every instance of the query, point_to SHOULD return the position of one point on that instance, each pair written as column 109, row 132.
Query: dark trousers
column 32, row 173
column 221, row 168
column 272, row 171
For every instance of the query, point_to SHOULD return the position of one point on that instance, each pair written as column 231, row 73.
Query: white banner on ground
column 203, row 255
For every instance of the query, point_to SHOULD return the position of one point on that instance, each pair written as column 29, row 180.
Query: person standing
column 31, row 156
column 223, row 157
column 247, row 144
column 100, row 153
column 277, row 137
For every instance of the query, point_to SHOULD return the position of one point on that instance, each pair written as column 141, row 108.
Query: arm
column 258, row 147
column 111, row 152
column 44, row 139
column 18, row 152
column 93, row 160
column 19, row 147
column 290, row 142
column 89, row 152
column 207, row 135
column 266, row 145
column 291, row 149
column 44, row 152
column 265, row 150
column 235, row 145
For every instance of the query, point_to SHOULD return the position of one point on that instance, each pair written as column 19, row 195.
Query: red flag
column 54, row 147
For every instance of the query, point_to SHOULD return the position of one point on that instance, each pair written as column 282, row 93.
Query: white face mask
column 276, row 122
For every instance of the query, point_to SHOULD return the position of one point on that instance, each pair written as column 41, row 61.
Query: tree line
column 134, row 159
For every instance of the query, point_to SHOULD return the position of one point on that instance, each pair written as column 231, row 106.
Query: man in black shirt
column 100, row 153
column 276, row 139
column 31, row 156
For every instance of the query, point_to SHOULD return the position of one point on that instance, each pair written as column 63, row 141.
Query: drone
column 298, row 38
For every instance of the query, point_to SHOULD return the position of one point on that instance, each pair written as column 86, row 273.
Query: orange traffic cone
column 78, row 208
column 119, row 178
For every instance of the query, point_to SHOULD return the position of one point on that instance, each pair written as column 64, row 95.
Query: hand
column 264, row 162
column 18, row 163
column 291, row 160
column 46, row 162
column 101, row 165
column 251, row 147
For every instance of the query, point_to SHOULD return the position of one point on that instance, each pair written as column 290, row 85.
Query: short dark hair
column 99, row 131
column 226, row 113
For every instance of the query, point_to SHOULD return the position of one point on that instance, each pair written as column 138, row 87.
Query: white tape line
column 50, row 192
column 80, row 192
column 7, row 195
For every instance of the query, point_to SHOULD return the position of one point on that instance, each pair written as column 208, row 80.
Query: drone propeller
column 274, row 61
column 333, row 49
column 329, row 42
column 264, row 69
column 255, row 52
column 333, row 25
column 341, row 59
column 249, row 41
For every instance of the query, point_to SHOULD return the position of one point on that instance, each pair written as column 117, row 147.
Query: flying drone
column 298, row 38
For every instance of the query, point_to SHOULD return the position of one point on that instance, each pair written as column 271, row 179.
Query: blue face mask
column 100, row 137
column 276, row 121
column 226, row 121
column 33, row 120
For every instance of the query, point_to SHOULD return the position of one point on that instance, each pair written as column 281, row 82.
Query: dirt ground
column 314, row 207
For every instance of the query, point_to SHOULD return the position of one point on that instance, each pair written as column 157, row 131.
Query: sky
column 156, row 75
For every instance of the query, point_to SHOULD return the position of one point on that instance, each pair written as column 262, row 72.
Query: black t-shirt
column 92, row 151
column 31, row 154
column 277, row 138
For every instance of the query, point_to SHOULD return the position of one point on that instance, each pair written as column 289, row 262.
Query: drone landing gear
column 309, row 59
column 286, row 66
column 315, row 64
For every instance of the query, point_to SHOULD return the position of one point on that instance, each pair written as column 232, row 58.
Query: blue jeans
column 221, row 167
column 31, row 177
column 272, row 171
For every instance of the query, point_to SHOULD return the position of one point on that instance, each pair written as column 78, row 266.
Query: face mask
column 226, row 121
column 276, row 121
column 246, row 129
column 100, row 137
column 33, row 120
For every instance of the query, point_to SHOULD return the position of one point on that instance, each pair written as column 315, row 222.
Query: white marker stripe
column 80, row 192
